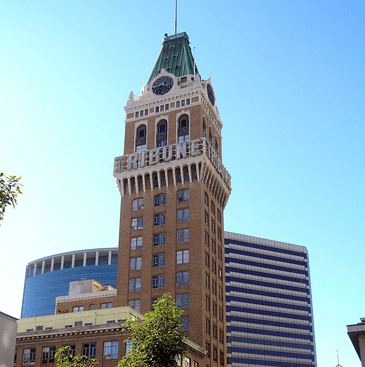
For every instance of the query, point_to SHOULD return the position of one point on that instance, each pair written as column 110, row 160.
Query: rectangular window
column 135, row 304
column 221, row 335
column 207, row 281
column 135, row 285
column 206, row 218
column 182, row 278
column 78, row 309
column 182, row 235
column 188, row 101
column 92, row 307
column 29, row 356
column 221, row 358
column 145, row 112
column 157, row 109
column 182, row 300
column 212, row 207
column 220, row 314
column 212, row 224
column 214, row 287
column 135, row 263
column 137, row 223
column 136, row 114
column 183, row 195
column 137, row 204
column 141, row 113
column 158, row 281
column 213, row 246
column 219, row 215
column 220, row 293
column 206, row 238
column 78, row 323
column 214, row 266
column 158, row 260
column 207, row 326
column 183, row 215
column 219, row 253
column 206, row 199
column 110, row 322
column 167, row 107
column 207, row 347
column 220, row 273
column 214, row 331
column 136, row 243
column 186, row 323
column 182, row 257
column 160, row 200
column 207, row 303
column 48, row 354
column 219, row 234
column 111, row 350
column 160, row 219
column 89, row 350
column 214, row 353
column 206, row 260
column 214, row 309
column 106, row 305
column 162, row 108
column 159, row 239
column 178, row 104
column 183, row 103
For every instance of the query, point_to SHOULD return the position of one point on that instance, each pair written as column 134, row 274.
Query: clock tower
column 174, row 189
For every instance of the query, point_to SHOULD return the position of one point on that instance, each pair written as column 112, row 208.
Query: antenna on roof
column 338, row 360
column 175, row 16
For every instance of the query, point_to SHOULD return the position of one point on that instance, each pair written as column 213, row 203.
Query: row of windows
column 214, row 330
column 214, row 266
column 160, row 219
column 214, row 308
column 182, row 278
column 214, row 246
column 159, row 239
column 162, row 108
column 182, row 257
column 88, row 349
column 161, row 133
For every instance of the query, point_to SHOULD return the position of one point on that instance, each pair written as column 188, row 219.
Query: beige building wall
column 8, row 328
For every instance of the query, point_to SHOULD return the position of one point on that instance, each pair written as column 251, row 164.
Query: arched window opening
column 161, row 134
column 141, row 138
column 183, row 130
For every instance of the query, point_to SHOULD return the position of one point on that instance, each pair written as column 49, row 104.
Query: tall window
column 182, row 257
column 48, row 354
column 182, row 278
column 136, row 243
column 183, row 129
column 161, row 134
column 137, row 204
column 158, row 260
column 29, row 356
column 159, row 239
column 183, row 215
column 141, row 138
column 183, row 195
column 135, row 304
column 89, row 350
column 111, row 350
column 182, row 235
column 158, row 281
column 135, row 285
column 160, row 200
column 137, row 223
column 159, row 219
column 182, row 300
column 135, row 263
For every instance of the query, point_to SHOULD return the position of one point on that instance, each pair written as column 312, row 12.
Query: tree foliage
column 9, row 190
column 66, row 359
column 159, row 339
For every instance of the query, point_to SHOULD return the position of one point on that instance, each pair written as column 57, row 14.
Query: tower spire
column 175, row 16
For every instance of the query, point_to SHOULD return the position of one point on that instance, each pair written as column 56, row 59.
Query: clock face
column 210, row 94
column 162, row 85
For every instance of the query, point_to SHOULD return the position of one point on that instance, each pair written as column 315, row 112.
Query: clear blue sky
column 289, row 77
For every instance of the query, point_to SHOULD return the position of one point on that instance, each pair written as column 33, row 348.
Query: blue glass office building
column 49, row 277
column 268, row 303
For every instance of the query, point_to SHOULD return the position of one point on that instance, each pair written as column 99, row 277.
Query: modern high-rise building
column 174, row 189
column 268, row 303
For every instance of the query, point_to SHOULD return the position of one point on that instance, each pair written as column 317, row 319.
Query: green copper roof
column 175, row 57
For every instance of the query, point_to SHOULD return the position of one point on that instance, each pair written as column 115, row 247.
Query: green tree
column 9, row 190
column 66, row 359
column 159, row 339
